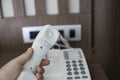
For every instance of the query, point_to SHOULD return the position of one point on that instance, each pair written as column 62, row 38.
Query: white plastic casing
column 45, row 39
column 59, row 67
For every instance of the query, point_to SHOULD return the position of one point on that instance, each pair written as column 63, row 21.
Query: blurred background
column 100, row 21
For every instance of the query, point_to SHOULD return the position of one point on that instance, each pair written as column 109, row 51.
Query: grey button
column 73, row 61
column 68, row 65
column 69, row 78
column 81, row 64
column 80, row 61
column 77, row 77
column 83, row 72
column 84, row 77
column 69, row 73
column 76, row 73
column 82, row 68
column 67, row 62
column 75, row 69
column 69, row 69
column 74, row 65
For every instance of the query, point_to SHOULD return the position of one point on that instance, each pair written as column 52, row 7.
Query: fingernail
column 29, row 50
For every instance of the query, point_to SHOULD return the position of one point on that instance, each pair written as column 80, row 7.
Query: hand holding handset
column 45, row 39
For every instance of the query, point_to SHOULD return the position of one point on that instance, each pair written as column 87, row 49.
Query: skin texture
column 12, row 69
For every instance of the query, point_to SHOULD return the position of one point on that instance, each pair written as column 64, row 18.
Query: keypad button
column 68, row 65
column 67, row 62
column 84, row 77
column 69, row 73
column 76, row 73
column 81, row 64
column 69, row 78
column 83, row 72
column 75, row 69
column 74, row 65
column 82, row 68
column 80, row 61
column 73, row 61
column 77, row 77
column 69, row 69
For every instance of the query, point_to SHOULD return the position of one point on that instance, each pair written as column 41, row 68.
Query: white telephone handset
column 45, row 39
column 67, row 64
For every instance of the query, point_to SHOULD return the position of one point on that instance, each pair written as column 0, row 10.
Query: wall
column 107, row 35
column 11, row 41
column 117, row 42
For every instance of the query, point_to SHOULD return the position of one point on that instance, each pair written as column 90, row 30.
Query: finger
column 40, row 70
column 44, row 62
column 39, row 76
column 22, row 59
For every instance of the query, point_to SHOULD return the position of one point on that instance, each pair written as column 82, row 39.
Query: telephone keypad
column 75, row 70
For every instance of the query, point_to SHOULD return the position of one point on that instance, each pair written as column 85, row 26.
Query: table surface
column 96, row 71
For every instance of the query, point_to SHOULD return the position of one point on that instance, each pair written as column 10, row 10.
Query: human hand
column 12, row 69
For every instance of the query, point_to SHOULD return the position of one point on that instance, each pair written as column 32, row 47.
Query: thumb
column 22, row 59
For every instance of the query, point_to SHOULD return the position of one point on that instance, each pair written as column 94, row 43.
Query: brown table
column 96, row 71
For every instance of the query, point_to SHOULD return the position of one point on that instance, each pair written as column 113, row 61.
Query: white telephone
column 66, row 64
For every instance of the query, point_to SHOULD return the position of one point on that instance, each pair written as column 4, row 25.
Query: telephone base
column 67, row 64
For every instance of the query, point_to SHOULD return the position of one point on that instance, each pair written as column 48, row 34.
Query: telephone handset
column 44, row 41
column 67, row 64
